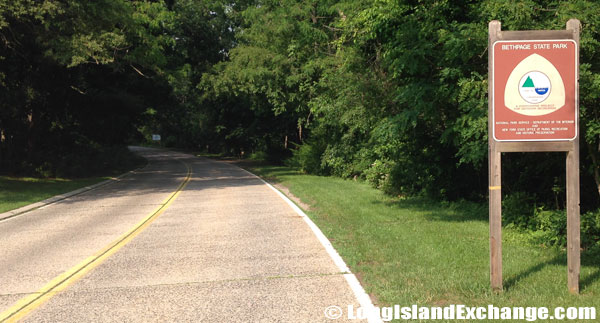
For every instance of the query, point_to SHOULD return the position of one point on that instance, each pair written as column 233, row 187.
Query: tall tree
column 74, row 77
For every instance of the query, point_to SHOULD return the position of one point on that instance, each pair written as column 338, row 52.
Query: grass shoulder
column 18, row 191
column 414, row 251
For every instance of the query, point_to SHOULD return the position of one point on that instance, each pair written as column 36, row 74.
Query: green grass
column 412, row 251
column 16, row 192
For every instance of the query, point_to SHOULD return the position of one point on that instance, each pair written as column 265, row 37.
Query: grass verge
column 412, row 251
column 16, row 192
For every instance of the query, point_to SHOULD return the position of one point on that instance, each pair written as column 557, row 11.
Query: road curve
column 224, row 249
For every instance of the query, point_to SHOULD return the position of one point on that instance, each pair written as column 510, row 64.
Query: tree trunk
column 31, row 135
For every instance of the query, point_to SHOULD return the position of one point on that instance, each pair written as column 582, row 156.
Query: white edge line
column 363, row 298
column 57, row 198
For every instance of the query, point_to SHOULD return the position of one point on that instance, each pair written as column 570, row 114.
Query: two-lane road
column 222, row 247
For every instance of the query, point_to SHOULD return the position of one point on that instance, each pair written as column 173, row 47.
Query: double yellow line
column 61, row 282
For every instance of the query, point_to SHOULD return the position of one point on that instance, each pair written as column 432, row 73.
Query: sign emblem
column 534, row 87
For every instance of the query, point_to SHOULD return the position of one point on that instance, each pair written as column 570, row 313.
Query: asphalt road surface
column 184, row 239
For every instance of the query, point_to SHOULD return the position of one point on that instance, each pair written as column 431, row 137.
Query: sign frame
column 496, row 148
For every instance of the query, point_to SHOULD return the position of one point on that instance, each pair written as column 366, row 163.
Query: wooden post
column 495, row 182
column 495, row 220
column 573, row 216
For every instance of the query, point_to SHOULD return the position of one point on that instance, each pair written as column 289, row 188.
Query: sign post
column 533, row 107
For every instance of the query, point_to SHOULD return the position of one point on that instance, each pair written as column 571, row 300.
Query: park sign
column 535, row 90
column 533, row 107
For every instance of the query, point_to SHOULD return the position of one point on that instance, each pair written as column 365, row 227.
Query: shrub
column 517, row 211
column 89, row 161
column 551, row 227
column 590, row 230
column 307, row 158
column 380, row 175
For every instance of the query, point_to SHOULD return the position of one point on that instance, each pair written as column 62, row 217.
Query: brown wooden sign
column 533, row 107
column 534, row 90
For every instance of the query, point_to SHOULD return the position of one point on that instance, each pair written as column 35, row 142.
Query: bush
column 550, row 227
column 590, row 230
column 380, row 175
column 258, row 156
column 89, row 161
column 518, row 211
column 307, row 158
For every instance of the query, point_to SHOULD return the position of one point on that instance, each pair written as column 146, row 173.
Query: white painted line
column 49, row 201
column 337, row 259
column 363, row 298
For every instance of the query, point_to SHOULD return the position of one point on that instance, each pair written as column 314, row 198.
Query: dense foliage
column 392, row 92
column 74, row 78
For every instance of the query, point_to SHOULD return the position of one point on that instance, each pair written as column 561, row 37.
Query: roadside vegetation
column 418, row 251
column 18, row 191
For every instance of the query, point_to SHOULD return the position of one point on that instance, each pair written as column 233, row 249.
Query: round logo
column 333, row 312
column 534, row 87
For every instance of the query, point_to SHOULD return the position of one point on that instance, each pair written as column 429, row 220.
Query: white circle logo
column 333, row 312
column 534, row 87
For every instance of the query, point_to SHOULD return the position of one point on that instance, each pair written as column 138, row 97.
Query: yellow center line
column 28, row 303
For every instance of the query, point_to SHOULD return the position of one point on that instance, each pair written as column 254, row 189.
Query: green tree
column 74, row 78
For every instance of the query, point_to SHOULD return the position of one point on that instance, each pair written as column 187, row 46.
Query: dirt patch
column 291, row 196
column 360, row 278
column 446, row 300
column 243, row 163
